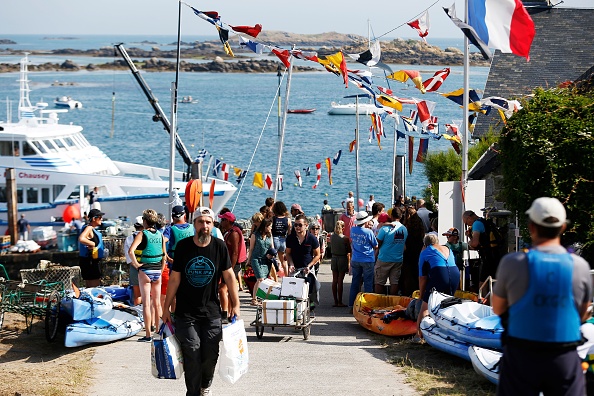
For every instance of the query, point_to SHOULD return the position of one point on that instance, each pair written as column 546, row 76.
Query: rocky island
column 397, row 51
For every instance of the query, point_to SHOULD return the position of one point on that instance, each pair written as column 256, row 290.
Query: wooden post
column 11, row 205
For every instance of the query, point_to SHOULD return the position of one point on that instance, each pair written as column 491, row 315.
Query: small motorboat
column 352, row 109
column 67, row 102
column 300, row 111
column 188, row 99
column 466, row 320
column 371, row 311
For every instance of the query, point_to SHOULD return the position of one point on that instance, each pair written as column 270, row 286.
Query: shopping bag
column 234, row 358
column 166, row 355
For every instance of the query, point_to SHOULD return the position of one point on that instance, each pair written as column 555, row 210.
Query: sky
column 159, row 17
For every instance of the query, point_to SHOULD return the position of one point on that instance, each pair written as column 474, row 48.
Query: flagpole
column 173, row 133
column 394, row 164
column 465, row 126
column 283, row 126
column 357, row 153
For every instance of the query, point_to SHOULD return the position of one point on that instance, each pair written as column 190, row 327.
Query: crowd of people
column 195, row 270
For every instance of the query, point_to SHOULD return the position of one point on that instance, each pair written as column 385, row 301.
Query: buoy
column 326, row 194
column 70, row 213
column 361, row 203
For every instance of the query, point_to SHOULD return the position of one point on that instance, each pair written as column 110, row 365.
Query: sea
column 236, row 120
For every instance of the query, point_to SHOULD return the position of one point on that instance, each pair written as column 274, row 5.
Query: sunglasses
column 299, row 225
column 315, row 228
column 98, row 217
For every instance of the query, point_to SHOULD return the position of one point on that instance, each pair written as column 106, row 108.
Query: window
column 50, row 146
column 28, row 149
column 9, row 149
column 39, row 146
column 32, row 195
column 3, row 194
column 57, row 189
column 19, row 195
column 60, row 144
column 69, row 142
column 45, row 195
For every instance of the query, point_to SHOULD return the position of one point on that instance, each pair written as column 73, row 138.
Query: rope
column 259, row 139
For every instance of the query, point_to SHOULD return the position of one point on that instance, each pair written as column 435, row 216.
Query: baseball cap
column 271, row 251
column 452, row 231
column 547, row 212
column 138, row 221
column 204, row 211
column 227, row 216
column 383, row 218
column 178, row 211
column 296, row 206
column 95, row 213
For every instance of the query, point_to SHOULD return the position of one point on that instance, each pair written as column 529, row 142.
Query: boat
column 55, row 167
column 466, row 320
column 188, row 99
column 370, row 308
column 111, row 326
column 300, row 111
column 351, row 109
column 485, row 362
column 441, row 340
column 67, row 102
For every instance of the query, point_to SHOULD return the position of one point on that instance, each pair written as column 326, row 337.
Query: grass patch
column 433, row 372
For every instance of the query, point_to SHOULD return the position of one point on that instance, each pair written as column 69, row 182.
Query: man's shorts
column 89, row 268
column 133, row 277
column 280, row 243
column 384, row 271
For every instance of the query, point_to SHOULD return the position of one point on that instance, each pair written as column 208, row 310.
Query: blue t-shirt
column 393, row 239
column 431, row 258
column 478, row 226
column 363, row 243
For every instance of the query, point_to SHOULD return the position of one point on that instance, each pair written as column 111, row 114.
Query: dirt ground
column 29, row 365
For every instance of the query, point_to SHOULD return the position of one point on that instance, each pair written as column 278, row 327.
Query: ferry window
column 60, row 144
column 9, row 149
column 69, row 142
column 19, row 195
column 57, row 189
column 3, row 194
column 28, row 149
column 32, row 195
column 45, row 195
column 39, row 146
column 50, row 146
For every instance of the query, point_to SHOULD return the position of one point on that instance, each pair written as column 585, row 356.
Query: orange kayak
column 370, row 308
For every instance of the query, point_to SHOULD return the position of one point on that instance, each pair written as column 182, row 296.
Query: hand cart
column 39, row 299
column 302, row 318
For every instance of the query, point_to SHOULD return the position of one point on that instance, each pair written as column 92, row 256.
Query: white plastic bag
column 166, row 355
column 234, row 358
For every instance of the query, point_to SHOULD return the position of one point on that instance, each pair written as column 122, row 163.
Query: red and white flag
column 319, row 174
column 279, row 183
column 268, row 181
column 421, row 25
column 425, row 108
column 433, row 84
column 298, row 176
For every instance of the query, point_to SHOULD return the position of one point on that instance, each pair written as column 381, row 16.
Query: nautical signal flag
column 404, row 75
column 337, row 157
column 421, row 25
column 371, row 57
column 425, row 108
column 337, row 64
column 298, row 176
column 468, row 32
column 502, row 24
column 329, row 166
column 411, row 144
column 457, row 96
column 279, row 182
column 258, row 180
column 352, row 145
column 423, row 147
column 433, row 84
column 268, row 183
column 283, row 55
column 318, row 174
column 224, row 37
column 389, row 101
column 253, row 46
column 249, row 30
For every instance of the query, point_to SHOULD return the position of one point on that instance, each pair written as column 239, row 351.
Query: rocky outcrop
column 7, row 42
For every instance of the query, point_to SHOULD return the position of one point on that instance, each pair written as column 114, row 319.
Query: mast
column 465, row 126
column 24, row 102
column 154, row 102
column 283, row 127
column 173, row 131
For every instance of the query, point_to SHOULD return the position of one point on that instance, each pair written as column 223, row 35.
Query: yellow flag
column 389, row 101
column 258, row 180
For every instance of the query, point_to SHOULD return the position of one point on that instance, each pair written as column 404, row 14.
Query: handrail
column 488, row 282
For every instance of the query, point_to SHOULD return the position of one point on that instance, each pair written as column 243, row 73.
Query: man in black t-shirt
column 198, row 266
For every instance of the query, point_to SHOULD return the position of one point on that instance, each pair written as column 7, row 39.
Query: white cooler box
column 278, row 312
column 294, row 287
column 301, row 306
column 269, row 290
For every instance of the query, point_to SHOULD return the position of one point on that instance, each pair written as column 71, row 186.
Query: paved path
column 340, row 358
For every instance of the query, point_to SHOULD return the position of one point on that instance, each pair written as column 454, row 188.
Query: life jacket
column 152, row 248
column 242, row 257
column 86, row 251
column 178, row 235
column 547, row 312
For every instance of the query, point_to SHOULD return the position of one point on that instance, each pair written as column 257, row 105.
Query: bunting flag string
column 318, row 174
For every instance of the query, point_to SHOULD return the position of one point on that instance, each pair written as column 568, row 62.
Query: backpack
column 496, row 239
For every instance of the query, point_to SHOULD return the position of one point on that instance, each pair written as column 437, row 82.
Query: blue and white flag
column 337, row 157
column 307, row 171
column 202, row 153
column 217, row 167
column 279, row 183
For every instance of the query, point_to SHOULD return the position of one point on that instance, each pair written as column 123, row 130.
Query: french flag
column 502, row 24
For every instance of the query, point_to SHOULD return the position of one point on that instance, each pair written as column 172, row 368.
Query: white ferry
column 55, row 166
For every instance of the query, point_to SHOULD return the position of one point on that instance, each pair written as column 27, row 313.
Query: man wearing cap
column 233, row 238
column 363, row 246
column 91, row 249
column 457, row 247
column 542, row 297
column 133, row 277
column 199, row 263
column 295, row 210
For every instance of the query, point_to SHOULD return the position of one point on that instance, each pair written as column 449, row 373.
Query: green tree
column 547, row 149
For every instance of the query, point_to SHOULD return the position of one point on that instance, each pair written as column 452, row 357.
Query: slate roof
column 562, row 50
